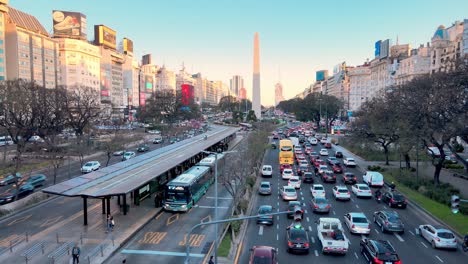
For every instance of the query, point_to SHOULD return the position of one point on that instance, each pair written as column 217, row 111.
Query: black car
column 143, row 148
column 9, row 196
column 328, row 176
column 308, row 177
column 349, row 178
column 394, row 199
column 339, row 154
column 379, row 251
column 273, row 145
column 265, row 219
column 297, row 239
column 292, row 205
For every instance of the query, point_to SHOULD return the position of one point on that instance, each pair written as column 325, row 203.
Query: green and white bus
column 184, row 191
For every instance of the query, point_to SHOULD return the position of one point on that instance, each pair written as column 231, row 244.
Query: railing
column 60, row 251
column 34, row 250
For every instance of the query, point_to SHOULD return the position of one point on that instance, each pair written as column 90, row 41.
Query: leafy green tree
column 251, row 117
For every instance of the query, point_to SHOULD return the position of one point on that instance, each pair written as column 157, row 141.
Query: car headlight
column 184, row 206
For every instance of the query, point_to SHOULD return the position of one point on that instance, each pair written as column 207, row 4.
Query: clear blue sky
column 215, row 37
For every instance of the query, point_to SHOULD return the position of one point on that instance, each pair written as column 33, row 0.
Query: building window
column 1, row 51
column 2, row 69
column 2, row 78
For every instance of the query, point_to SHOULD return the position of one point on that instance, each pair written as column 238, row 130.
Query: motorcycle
column 378, row 197
column 465, row 244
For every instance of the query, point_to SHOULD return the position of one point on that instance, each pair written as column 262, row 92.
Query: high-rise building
column 447, row 45
column 419, row 63
column 278, row 93
column 237, row 82
column 26, row 49
column 359, row 86
column 256, row 104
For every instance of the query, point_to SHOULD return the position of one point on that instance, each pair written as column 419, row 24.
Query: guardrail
column 34, row 251
column 60, row 251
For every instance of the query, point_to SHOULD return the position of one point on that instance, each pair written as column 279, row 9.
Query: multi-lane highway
column 410, row 246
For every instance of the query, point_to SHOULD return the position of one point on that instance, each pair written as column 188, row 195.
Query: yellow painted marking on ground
column 158, row 216
column 205, row 219
column 205, row 260
column 172, row 219
column 51, row 221
column 152, row 238
column 239, row 249
column 19, row 220
column 194, row 241
column 6, row 241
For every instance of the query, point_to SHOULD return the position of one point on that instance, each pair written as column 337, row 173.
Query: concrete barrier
column 22, row 203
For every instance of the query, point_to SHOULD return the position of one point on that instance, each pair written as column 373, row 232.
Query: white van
column 6, row 140
column 373, row 179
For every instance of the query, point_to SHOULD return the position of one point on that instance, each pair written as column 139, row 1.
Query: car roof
column 383, row 246
column 317, row 185
column 265, row 206
column 341, row 187
column 294, row 203
column 267, row 166
column 265, row 182
column 390, row 213
column 442, row 229
column 357, row 214
column 361, row 185
column 294, row 177
column 262, row 251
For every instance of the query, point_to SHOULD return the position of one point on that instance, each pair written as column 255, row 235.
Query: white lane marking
column 334, row 213
column 399, row 237
column 277, row 217
column 355, row 254
column 277, row 203
column 377, row 231
column 439, row 259
column 305, row 211
column 385, row 207
column 302, row 193
column 349, row 242
column 316, row 253
column 260, row 231
column 417, row 231
column 277, row 226
column 313, row 239
column 357, row 206
column 308, row 219
column 302, row 198
column 411, row 232
column 277, row 209
column 424, row 244
column 219, row 198
column 352, row 200
column 277, row 237
column 310, row 229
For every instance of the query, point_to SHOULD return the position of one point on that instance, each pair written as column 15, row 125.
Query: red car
column 300, row 157
column 285, row 166
column 313, row 158
column 263, row 254
column 328, row 145
column 336, row 168
column 319, row 162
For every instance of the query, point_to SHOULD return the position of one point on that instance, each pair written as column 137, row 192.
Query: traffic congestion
column 337, row 211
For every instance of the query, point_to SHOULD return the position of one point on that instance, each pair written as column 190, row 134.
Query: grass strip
column 225, row 246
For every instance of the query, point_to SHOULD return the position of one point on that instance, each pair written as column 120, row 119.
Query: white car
column 313, row 141
column 341, row 193
column 288, row 193
column 128, row 155
column 303, row 163
column 295, row 182
column 267, row 171
column 438, row 237
column 361, row 190
column 323, row 152
column 349, row 162
column 357, row 223
column 324, row 141
column 317, row 190
column 287, row 174
column 322, row 169
column 157, row 140
column 90, row 166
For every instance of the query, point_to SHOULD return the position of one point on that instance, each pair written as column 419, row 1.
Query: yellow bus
column 286, row 155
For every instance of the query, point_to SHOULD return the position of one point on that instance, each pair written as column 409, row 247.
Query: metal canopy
column 126, row 176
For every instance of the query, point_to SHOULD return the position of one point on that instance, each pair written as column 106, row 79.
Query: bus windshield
column 178, row 197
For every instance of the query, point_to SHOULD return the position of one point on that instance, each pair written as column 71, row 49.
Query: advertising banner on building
column 128, row 46
column 149, row 83
column 377, row 48
column 319, row 76
column 385, row 49
column 69, row 24
column 142, row 99
column 105, row 85
column 187, row 94
column 105, row 36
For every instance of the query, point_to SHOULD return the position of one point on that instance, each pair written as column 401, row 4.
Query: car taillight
column 328, row 206
column 316, row 206
column 378, row 261
column 355, row 178
column 397, row 262
column 306, row 244
column 334, row 177
column 349, row 193
column 368, row 226
column 337, row 192
column 392, row 201
column 359, row 190
column 290, row 243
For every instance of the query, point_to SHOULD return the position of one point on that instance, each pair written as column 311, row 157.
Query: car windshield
column 267, row 168
column 318, row 188
column 446, row 235
column 176, row 197
column 320, row 201
column 262, row 260
column 89, row 164
column 343, row 190
column 363, row 187
column 359, row 220
column 265, row 185
column 293, row 180
column 290, row 190
column 393, row 218
column 264, row 210
column 398, row 197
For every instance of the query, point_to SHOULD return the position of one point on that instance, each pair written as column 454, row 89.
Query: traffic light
column 455, row 204
column 297, row 214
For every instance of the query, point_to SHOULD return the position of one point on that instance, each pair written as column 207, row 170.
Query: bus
column 286, row 155
column 183, row 192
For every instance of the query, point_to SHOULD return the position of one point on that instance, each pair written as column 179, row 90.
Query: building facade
column 278, row 93
column 236, row 83
column 448, row 45
column 359, row 86
column 165, row 80
column 417, row 64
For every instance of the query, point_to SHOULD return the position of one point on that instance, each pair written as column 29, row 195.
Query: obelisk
column 256, row 104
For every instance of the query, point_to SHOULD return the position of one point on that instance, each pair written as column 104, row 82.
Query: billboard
column 385, row 49
column 149, row 83
column 69, row 24
column 105, row 36
column 105, row 84
column 128, row 46
column 321, row 75
column 188, row 94
column 146, row 59
column 377, row 48
column 142, row 99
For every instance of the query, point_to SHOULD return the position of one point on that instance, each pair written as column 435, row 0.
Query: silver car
column 389, row 221
column 288, row 193
column 357, row 223
column 320, row 205
column 438, row 237
column 265, row 188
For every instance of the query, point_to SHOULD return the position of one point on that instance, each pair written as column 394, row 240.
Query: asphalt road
column 410, row 246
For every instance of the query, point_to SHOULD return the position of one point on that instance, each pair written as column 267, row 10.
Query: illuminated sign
column 176, row 188
column 105, row 36
column 128, row 46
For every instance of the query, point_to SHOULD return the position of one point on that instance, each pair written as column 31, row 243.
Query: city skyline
column 301, row 44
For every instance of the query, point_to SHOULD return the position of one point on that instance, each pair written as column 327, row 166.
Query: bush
column 251, row 181
column 242, row 206
column 454, row 166
column 236, row 225
column 375, row 168
column 458, row 148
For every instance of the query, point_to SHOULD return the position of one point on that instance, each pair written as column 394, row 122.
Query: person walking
column 109, row 221
column 211, row 260
column 76, row 254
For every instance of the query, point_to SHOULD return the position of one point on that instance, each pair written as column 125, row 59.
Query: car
column 300, row 157
column 317, row 190
column 349, row 178
column 303, row 162
column 336, row 168
column 36, row 139
column 285, row 166
column 118, row 153
column 320, row 205
column 292, row 205
column 439, row 237
column 322, row 169
column 157, row 140
column 332, row 160
column 328, row 176
column 90, row 166
column 156, row 132
column 389, row 221
column 308, row 150
column 313, row 141
column 379, row 252
column 373, row 178
column 328, row 145
column 263, row 254
column 128, row 155
column 339, row 154
column 323, row 140
column 394, row 199
column 287, row 174
column 288, row 193
column 36, row 180
column 302, row 169
column 143, row 148
column 267, row 171
column 297, row 239
column 295, row 182
column 361, row 190
column 341, row 193
column 308, row 177
column 264, row 188
column 23, row 191
column 173, row 140
column 323, row 152
column 357, row 223
column 349, row 162
column 273, row 145
column 265, row 219
column 9, row 179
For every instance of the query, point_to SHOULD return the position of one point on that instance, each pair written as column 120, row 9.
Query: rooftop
column 26, row 21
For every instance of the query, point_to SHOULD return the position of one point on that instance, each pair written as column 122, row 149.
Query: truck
column 331, row 236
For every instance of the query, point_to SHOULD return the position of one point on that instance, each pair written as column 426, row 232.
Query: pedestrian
column 211, row 260
column 76, row 254
column 112, row 223
column 109, row 223
column 156, row 201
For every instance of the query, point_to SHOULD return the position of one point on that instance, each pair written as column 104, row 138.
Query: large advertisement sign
column 105, row 36
column 128, row 46
column 69, row 24
column 187, row 94
column 320, row 76
column 105, row 85
column 377, row 48
column 385, row 49
column 146, row 59
column 149, row 83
